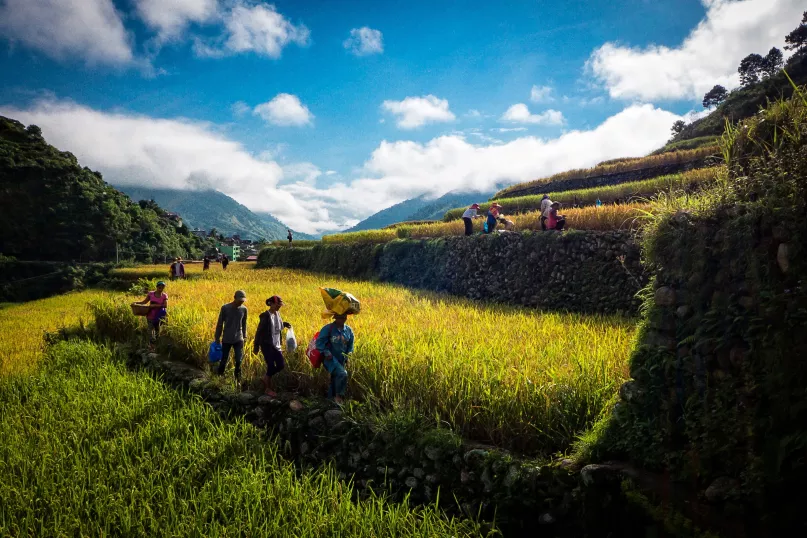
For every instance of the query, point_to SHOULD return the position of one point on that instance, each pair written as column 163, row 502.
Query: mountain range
column 207, row 209
column 420, row 208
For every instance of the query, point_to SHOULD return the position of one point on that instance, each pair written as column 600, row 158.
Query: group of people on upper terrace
column 550, row 218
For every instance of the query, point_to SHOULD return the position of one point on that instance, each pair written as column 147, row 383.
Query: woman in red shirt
column 555, row 221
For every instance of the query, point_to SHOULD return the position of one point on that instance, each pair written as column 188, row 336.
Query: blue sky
column 267, row 102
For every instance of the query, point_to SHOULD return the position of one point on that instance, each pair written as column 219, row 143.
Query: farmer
column 224, row 262
column 335, row 342
column 546, row 203
column 290, row 236
column 174, row 270
column 206, row 263
column 555, row 221
column 158, row 305
column 267, row 339
column 231, row 332
column 493, row 218
column 468, row 218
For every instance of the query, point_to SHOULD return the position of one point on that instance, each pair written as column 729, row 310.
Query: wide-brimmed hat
column 494, row 204
column 474, row 206
column 555, row 204
column 274, row 299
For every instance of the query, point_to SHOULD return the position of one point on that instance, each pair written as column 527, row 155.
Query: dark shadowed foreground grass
column 91, row 449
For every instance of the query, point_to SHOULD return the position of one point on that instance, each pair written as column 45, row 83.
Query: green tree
column 715, row 96
column 678, row 127
column 773, row 62
column 797, row 39
column 750, row 68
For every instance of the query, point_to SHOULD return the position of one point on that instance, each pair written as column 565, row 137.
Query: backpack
column 313, row 354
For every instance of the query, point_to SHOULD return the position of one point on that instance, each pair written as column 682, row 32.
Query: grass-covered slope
column 53, row 209
column 91, row 449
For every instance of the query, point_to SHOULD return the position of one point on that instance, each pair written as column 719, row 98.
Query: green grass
column 91, row 449
column 635, row 189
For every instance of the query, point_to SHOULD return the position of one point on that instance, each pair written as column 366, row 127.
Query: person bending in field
column 267, row 340
column 546, row 203
column 555, row 221
column 335, row 342
column 493, row 218
column 231, row 332
column 158, row 311
column 468, row 218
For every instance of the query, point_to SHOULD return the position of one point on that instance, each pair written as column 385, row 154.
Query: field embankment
column 503, row 375
column 616, row 172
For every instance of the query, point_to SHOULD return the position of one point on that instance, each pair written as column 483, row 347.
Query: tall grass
column 647, row 189
column 609, row 217
column 23, row 327
column 91, row 449
column 511, row 376
column 640, row 163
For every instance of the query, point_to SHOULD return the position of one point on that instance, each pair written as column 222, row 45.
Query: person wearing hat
column 158, row 304
column 493, row 218
column 468, row 218
column 267, row 340
column 231, row 332
column 335, row 342
column 555, row 221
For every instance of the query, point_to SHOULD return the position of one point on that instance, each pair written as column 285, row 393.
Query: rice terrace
column 222, row 315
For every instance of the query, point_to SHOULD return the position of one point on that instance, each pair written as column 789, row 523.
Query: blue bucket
column 214, row 353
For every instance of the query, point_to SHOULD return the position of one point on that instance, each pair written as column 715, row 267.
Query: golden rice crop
column 639, row 163
column 608, row 194
column 23, row 326
column 512, row 376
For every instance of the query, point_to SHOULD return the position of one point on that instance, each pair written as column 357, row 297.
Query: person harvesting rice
column 158, row 305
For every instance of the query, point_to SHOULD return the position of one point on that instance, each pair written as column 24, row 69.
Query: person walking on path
column 468, row 218
column 267, row 340
column 290, row 236
column 493, row 218
column 206, row 263
column 224, row 262
column 335, row 342
column 158, row 311
column 231, row 332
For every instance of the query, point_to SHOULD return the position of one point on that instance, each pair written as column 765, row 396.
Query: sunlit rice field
column 510, row 376
column 90, row 448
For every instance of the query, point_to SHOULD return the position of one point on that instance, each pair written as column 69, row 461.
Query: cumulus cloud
column 541, row 94
column 132, row 149
column 415, row 112
column 285, row 110
column 89, row 29
column 364, row 41
column 171, row 17
column 520, row 113
column 709, row 55
column 254, row 28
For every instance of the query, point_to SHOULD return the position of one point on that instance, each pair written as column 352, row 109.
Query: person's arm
column 144, row 301
column 349, row 348
column 219, row 325
column 259, row 334
column 322, row 341
column 244, row 324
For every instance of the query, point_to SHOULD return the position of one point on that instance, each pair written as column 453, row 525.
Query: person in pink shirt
column 158, row 310
column 555, row 221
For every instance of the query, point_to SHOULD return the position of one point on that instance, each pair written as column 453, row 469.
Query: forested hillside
column 53, row 209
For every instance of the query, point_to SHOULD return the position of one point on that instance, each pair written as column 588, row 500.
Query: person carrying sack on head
column 231, row 332
column 335, row 342
column 267, row 340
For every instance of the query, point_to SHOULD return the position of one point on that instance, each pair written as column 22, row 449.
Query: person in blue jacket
column 335, row 342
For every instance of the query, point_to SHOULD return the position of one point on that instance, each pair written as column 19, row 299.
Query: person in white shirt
column 468, row 218
column 546, row 205
column 267, row 340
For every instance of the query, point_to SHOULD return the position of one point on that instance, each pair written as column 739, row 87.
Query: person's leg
column 225, row 357
column 469, row 226
column 152, row 330
column 543, row 223
column 238, row 356
column 274, row 363
column 339, row 381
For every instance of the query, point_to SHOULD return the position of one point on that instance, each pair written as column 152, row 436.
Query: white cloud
column 364, row 41
column 508, row 129
column 709, row 55
column 182, row 154
column 88, row 29
column 240, row 109
column 331, row 173
column 473, row 113
column 285, row 110
column 520, row 113
column 415, row 112
column 541, row 94
column 171, row 17
column 254, row 28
